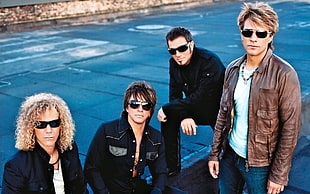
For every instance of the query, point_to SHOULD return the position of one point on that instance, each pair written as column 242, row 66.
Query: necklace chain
column 55, row 161
column 245, row 80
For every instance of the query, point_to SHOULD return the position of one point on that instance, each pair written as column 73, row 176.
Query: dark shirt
column 110, row 158
column 201, row 82
column 30, row 172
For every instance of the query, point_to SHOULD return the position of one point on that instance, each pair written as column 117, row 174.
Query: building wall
column 13, row 3
column 77, row 8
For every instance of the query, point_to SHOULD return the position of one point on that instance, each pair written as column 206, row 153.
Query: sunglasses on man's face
column 134, row 104
column 182, row 48
column 249, row 32
column 43, row 124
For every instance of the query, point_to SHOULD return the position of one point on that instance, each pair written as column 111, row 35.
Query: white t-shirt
column 239, row 135
column 58, row 180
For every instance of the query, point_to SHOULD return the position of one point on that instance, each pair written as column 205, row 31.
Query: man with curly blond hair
column 47, row 160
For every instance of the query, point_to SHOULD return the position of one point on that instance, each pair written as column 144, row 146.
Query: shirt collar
column 261, row 66
column 125, row 126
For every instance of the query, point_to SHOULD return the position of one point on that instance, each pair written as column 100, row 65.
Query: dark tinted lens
column 134, row 106
column 147, row 106
column 43, row 124
column 172, row 51
column 247, row 33
column 261, row 34
column 182, row 48
column 55, row 123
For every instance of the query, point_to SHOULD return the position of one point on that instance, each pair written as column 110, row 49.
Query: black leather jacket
column 30, row 172
column 110, row 158
column 201, row 81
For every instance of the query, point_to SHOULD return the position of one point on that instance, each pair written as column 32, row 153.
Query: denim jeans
column 234, row 173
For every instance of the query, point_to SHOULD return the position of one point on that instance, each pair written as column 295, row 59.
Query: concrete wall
column 59, row 12
column 13, row 3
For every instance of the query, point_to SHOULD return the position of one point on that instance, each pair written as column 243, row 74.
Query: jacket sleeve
column 158, row 169
column 221, row 127
column 75, row 170
column 13, row 180
column 93, row 162
column 209, row 86
column 175, row 91
column 290, row 119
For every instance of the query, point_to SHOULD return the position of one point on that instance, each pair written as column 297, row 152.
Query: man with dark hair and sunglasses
column 121, row 149
column 260, row 112
column 195, row 88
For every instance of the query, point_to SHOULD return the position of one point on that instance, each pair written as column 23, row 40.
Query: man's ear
column 270, row 39
column 191, row 46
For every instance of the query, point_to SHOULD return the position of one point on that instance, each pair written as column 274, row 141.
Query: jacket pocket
column 267, row 120
column 268, row 99
column 262, row 146
column 117, row 151
column 151, row 155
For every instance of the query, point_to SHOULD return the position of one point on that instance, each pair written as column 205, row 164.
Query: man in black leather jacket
column 48, row 160
column 35, row 165
column 196, row 80
column 121, row 149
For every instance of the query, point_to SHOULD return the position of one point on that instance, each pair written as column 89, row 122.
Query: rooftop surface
column 90, row 67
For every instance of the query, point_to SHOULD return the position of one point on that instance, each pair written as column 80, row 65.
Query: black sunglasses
column 43, row 124
column 145, row 105
column 182, row 48
column 249, row 32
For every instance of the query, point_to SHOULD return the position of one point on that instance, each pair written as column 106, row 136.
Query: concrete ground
column 90, row 67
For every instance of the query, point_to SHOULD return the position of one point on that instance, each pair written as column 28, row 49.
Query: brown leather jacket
column 274, row 116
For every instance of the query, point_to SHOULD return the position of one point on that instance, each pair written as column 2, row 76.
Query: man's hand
column 188, row 126
column 274, row 188
column 161, row 115
column 214, row 168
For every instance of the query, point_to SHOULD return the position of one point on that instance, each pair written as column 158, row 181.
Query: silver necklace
column 245, row 80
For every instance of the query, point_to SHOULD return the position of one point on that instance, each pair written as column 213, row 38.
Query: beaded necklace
column 245, row 80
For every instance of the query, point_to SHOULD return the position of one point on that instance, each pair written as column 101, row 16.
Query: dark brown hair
column 177, row 32
column 140, row 89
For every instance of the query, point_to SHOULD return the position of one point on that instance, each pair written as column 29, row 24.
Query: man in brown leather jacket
column 260, row 111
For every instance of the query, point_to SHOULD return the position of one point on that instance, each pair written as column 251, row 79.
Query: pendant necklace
column 245, row 80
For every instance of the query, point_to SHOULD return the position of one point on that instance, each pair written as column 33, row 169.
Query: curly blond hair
column 29, row 113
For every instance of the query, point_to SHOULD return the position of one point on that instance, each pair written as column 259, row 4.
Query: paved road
column 90, row 66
